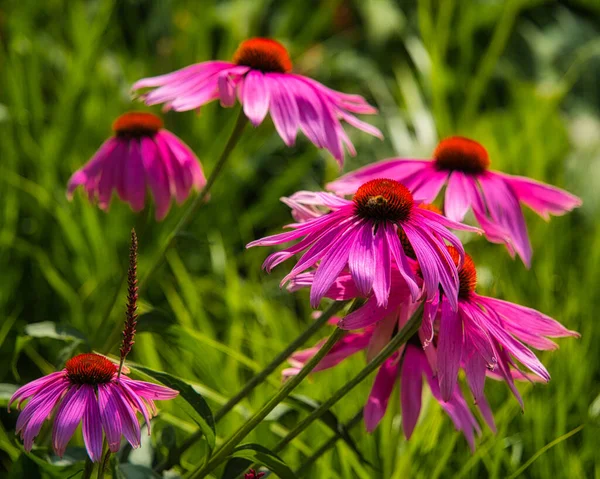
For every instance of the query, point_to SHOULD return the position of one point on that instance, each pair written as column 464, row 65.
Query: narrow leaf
column 188, row 396
column 244, row 456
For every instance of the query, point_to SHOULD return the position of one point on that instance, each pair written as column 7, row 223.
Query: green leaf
column 244, row 456
column 193, row 402
column 329, row 419
column 135, row 471
column 49, row 329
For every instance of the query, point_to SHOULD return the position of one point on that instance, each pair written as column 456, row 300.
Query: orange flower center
column 263, row 54
column 408, row 249
column 90, row 368
column 462, row 154
column 467, row 275
column 383, row 200
column 137, row 124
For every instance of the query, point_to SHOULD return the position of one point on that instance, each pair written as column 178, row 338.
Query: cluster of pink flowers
column 374, row 235
column 389, row 245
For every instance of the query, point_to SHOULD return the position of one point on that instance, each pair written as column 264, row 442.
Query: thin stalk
column 402, row 337
column 199, row 200
column 104, row 462
column 88, row 468
column 329, row 444
column 277, row 361
column 223, row 452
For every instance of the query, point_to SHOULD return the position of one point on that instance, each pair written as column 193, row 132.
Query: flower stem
column 88, row 468
column 104, row 461
column 223, row 452
column 333, row 309
column 199, row 200
column 329, row 444
column 410, row 328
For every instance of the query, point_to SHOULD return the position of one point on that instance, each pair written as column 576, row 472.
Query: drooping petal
column 332, row 265
column 135, row 178
column 542, row 198
column 34, row 387
column 504, row 208
column 458, row 197
column 284, row 110
column 382, row 281
column 110, row 417
column 256, row 97
column 450, row 345
column 156, row 176
column 362, row 260
column 382, row 333
column 150, row 391
column 93, row 168
column 92, row 424
column 404, row 267
column 69, row 415
column 38, row 410
column 411, row 387
column 380, row 393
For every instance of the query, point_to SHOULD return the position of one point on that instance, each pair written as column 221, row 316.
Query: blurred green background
column 521, row 76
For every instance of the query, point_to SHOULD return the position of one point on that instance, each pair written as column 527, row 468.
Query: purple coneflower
column 484, row 334
column 463, row 166
column 87, row 390
column 407, row 367
column 363, row 236
column 252, row 474
column 260, row 76
column 141, row 155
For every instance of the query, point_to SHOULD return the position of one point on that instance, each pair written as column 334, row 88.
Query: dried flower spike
column 132, row 296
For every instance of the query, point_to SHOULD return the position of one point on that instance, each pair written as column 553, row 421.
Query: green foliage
column 518, row 75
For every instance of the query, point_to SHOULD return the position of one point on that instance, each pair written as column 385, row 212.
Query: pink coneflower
column 87, row 390
column 141, row 155
column 488, row 333
column 260, row 76
column 463, row 165
column 407, row 366
column 362, row 235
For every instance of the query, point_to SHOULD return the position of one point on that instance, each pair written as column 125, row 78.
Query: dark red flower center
column 263, row 54
column 90, row 368
column 462, row 154
column 406, row 246
column 136, row 124
column 383, row 200
column 467, row 275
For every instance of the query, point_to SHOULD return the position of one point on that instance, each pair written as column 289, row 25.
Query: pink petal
column 110, row 416
column 382, row 281
column 332, row 265
column 395, row 169
column 69, row 415
column 156, row 176
column 284, row 110
column 542, row 198
column 449, row 349
column 380, row 393
column 256, row 97
column 458, row 197
column 92, row 425
column 362, row 260
column 411, row 388
column 135, row 178
column 226, row 90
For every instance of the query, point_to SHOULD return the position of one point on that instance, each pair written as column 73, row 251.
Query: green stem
column 256, row 380
column 329, row 444
column 410, row 328
column 87, row 469
column 199, row 200
column 104, row 462
column 223, row 452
